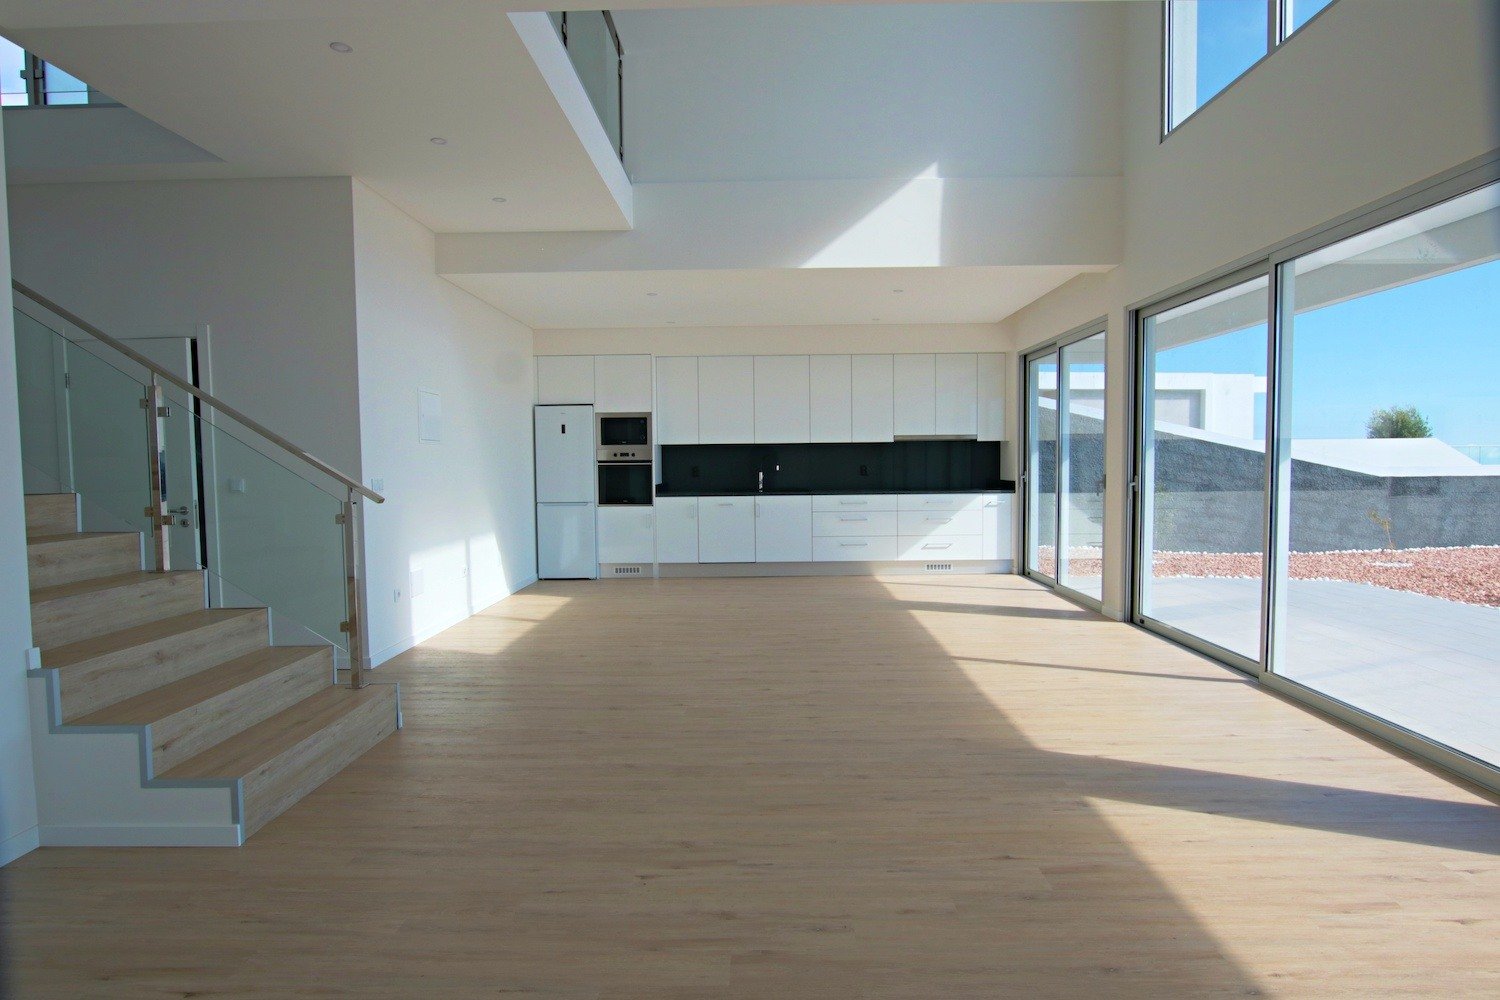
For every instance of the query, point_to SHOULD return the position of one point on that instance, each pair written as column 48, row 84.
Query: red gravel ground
column 1469, row 575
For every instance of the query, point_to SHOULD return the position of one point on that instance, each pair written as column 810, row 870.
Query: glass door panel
column 1203, row 468
column 1081, row 467
column 1388, row 564
column 1041, row 465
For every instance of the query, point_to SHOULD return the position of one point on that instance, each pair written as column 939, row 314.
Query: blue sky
column 1434, row 344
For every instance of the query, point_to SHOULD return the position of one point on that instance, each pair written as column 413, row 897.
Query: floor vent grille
column 939, row 567
column 627, row 571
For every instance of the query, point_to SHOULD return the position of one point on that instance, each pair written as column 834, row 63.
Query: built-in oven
column 622, row 483
column 624, row 455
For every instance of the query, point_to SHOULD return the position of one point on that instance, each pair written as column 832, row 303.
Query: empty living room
column 865, row 501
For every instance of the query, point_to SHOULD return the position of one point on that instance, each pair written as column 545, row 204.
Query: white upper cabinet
column 832, row 401
column 873, row 403
column 565, row 379
column 957, row 392
column 916, row 394
column 781, row 399
column 676, row 400
column 726, row 400
column 991, row 397
column 622, row 383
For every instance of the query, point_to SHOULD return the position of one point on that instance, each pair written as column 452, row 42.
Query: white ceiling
column 786, row 297
column 267, row 96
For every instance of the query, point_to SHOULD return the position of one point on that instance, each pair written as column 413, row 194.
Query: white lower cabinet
column 855, row 549
column 726, row 529
column 677, row 529
column 996, row 526
column 783, row 529
column 853, row 521
column 627, row 535
column 936, row 522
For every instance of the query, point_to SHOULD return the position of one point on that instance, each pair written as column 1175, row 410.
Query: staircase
column 213, row 702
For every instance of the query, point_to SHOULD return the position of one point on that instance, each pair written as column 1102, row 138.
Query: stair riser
column 80, row 616
column 193, row 730
column 278, row 784
column 52, row 514
column 93, row 684
column 84, row 558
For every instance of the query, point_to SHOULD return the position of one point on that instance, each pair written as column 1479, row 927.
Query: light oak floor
column 938, row 787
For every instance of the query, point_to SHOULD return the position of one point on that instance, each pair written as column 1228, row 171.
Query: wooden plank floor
column 938, row 787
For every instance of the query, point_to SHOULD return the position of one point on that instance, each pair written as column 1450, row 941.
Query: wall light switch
column 236, row 485
column 378, row 485
column 396, row 596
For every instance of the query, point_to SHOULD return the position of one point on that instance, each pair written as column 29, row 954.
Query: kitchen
column 771, row 465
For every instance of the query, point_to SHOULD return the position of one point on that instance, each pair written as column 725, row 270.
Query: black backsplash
column 898, row 466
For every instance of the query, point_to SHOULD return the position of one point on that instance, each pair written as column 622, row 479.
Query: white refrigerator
column 566, row 543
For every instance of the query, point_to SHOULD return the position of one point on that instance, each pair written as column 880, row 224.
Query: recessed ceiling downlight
column 498, row 200
column 438, row 140
column 651, row 295
column 343, row 48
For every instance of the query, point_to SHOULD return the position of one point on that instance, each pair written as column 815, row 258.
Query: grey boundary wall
column 1209, row 499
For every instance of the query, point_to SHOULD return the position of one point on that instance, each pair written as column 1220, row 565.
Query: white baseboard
column 402, row 645
column 22, row 843
column 141, row 836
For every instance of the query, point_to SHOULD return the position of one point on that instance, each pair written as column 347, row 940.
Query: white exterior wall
column 458, row 524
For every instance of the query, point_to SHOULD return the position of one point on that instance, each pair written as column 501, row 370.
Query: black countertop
column 1006, row 486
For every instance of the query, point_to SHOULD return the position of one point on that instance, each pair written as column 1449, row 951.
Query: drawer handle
column 729, row 504
column 938, row 545
column 853, row 545
column 940, row 520
column 854, row 503
column 847, row 518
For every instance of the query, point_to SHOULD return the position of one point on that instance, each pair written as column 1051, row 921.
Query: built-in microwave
column 624, row 437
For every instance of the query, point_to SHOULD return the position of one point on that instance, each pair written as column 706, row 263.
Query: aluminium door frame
column 1055, row 345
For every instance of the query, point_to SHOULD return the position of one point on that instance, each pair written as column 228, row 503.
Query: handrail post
column 353, row 570
column 153, row 402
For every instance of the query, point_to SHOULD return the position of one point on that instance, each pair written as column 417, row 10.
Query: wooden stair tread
column 73, row 536
column 104, row 583
column 197, row 688
column 242, row 754
column 136, row 635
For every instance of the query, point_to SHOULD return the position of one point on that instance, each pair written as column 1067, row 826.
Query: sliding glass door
column 1064, row 470
column 1318, row 498
column 1202, row 479
column 1388, row 549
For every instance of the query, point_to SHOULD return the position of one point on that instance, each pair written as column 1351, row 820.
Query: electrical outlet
column 864, row 470
column 236, row 486
column 694, row 472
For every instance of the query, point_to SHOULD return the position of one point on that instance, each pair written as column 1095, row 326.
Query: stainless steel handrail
column 189, row 388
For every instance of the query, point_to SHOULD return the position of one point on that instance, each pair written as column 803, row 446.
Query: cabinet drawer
column 844, row 523
column 941, row 501
column 857, row 502
column 855, row 549
column 917, row 524
column 940, row 547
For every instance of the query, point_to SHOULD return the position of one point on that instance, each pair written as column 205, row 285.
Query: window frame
column 1278, row 32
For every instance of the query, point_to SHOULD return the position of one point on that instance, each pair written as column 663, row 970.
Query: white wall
column 1014, row 90
column 873, row 339
column 459, row 513
column 18, row 813
column 266, row 265
column 1372, row 97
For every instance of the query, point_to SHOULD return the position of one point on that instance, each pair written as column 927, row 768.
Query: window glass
column 1041, row 492
column 1210, row 43
column 1203, row 467
column 1081, row 467
column 1389, row 572
column 1301, row 12
column 12, row 74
